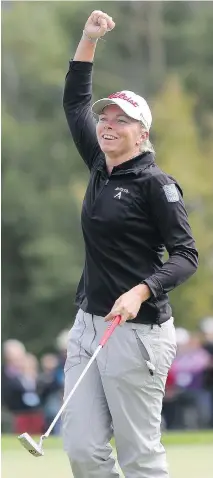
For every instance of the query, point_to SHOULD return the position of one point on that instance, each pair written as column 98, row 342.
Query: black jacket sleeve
column 170, row 217
column 77, row 105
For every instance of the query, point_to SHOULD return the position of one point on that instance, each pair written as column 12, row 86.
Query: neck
column 113, row 160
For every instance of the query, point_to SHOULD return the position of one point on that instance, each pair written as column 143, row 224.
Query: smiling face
column 117, row 133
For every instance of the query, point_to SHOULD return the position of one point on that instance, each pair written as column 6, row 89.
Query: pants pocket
column 74, row 342
column 147, row 353
column 158, row 347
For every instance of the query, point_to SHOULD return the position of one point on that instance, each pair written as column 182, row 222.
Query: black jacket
column 128, row 218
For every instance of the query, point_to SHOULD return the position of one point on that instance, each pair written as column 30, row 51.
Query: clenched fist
column 98, row 24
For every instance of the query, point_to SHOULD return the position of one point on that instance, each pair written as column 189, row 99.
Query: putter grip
column 110, row 329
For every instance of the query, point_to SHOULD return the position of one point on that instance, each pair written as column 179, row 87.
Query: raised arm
column 78, row 88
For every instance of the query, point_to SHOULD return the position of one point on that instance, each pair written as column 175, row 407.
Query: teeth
column 108, row 136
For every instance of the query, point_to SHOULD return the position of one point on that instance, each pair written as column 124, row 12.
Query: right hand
column 98, row 24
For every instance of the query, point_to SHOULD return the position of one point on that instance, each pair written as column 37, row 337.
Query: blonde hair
column 146, row 146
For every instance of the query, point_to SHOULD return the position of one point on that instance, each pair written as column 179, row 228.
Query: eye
column 122, row 120
column 102, row 119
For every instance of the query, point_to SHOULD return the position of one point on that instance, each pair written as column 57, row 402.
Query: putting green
column 185, row 461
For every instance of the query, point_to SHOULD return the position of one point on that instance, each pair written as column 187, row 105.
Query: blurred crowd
column 188, row 401
column 32, row 389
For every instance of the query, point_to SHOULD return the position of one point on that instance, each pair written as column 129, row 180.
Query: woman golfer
column 131, row 211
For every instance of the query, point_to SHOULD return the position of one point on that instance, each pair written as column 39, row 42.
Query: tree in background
column 166, row 57
column 181, row 153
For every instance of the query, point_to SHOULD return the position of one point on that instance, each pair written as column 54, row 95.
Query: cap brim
column 99, row 105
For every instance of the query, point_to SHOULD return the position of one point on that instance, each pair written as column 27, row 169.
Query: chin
column 109, row 148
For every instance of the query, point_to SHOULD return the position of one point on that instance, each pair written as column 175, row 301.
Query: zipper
column 116, row 173
column 100, row 192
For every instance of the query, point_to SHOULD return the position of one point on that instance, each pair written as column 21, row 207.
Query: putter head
column 30, row 445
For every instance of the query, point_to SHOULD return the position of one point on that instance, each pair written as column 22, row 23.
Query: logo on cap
column 123, row 96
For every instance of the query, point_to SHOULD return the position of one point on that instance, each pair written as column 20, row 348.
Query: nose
column 107, row 126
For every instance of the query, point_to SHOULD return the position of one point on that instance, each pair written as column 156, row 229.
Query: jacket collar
column 133, row 165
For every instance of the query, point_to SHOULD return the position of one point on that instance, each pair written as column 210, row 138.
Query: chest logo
column 118, row 195
column 121, row 190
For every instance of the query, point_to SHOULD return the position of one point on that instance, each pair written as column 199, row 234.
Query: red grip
column 110, row 329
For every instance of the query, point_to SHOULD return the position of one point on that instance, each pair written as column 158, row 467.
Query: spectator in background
column 14, row 355
column 187, row 369
column 51, row 380
column 29, row 379
column 206, row 328
column 19, row 388
column 49, row 388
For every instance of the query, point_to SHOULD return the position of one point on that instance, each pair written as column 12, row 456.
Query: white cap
column 182, row 336
column 206, row 325
column 133, row 105
column 62, row 340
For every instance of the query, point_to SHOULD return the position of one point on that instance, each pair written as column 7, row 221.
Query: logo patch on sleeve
column 171, row 192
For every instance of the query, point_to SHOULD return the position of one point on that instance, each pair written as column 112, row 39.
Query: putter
column 36, row 449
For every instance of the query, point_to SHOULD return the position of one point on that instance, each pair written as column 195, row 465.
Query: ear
column 143, row 137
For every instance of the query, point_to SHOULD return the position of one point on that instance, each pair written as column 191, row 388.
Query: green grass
column 189, row 455
column 10, row 442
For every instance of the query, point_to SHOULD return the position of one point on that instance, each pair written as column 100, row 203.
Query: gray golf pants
column 117, row 397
